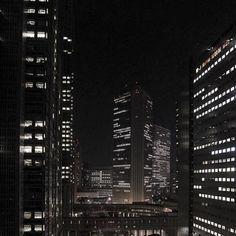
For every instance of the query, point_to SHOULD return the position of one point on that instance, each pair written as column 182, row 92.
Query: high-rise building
column 30, row 102
column 161, row 160
column 11, row 117
column 66, row 68
column 183, row 162
column 101, row 180
column 213, row 174
column 132, row 147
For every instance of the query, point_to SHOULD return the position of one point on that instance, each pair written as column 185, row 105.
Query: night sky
column 119, row 42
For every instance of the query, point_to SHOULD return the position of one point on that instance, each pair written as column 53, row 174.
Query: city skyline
column 117, row 119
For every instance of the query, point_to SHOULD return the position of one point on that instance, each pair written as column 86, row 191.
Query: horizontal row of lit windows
column 230, row 159
column 213, row 65
column 197, row 187
column 214, row 197
column 36, row 59
column 209, row 222
column 207, row 230
column 215, row 99
column 39, row 85
column 29, row 123
column 32, row 34
column 119, row 112
column 224, row 179
column 122, row 99
column 210, row 93
column 37, row 228
column 215, row 170
column 30, row 162
column 35, row 215
column 36, row 149
column 33, row 10
column 67, row 39
column 222, row 189
column 224, row 150
column 216, row 107
column 199, row 92
column 37, row 136
column 214, row 143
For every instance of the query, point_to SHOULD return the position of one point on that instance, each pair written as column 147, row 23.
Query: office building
column 183, row 162
column 161, row 161
column 66, row 68
column 213, row 174
column 132, row 147
column 101, row 180
column 30, row 124
column 11, row 118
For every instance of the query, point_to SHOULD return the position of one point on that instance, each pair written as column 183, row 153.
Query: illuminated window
column 40, row 85
column 39, row 136
column 30, row 22
column 27, row 228
column 28, row 34
column 41, row 11
column 38, row 215
column 29, row 84
column 27, row 149
column 29, row 59
column 41, row 35
column 30, row 10
column 38, row 123
column 38, row 149
column 28, row 136
column 38, row 228
column 27, row 215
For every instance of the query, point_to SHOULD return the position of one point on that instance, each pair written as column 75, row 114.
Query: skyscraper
column 161, row 160
column 183, row 162
column 66, row 68
column 213, row 139
column 30, row 102
column 11, row 118
column 132, row 147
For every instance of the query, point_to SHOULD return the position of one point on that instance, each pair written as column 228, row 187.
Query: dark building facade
column 213, row 87
column 183, row 162
column 132, row 149
column 67, row 76
column 161, row 160
column 11, row 117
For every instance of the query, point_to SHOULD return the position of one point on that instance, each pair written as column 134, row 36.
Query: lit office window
column 27, row 215
column 29, row 84
column 38, row 149
column 38, row 123
column 38, row 228
column 27, row 149
column 28, row 136
column 27, row 162
column 38, row 215
column 27, row 228
column 39, row 136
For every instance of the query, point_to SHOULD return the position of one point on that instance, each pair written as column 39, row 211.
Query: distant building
column 101, row 180
column 213, row 141
column 132, row 146
column 161, row 160
column 183, row 163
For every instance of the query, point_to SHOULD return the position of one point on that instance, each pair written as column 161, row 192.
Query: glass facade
column 213, row 147
column 161, row 160
column 132, row 150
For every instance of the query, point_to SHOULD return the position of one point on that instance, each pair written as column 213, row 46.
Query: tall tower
column 11, row 118
column 161, row 160
column 183, row 162
column 213, row 145
column 30, row 132
column 67, row 76
column 132, row 149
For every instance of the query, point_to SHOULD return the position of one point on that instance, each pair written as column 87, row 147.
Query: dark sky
column 120, row 42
